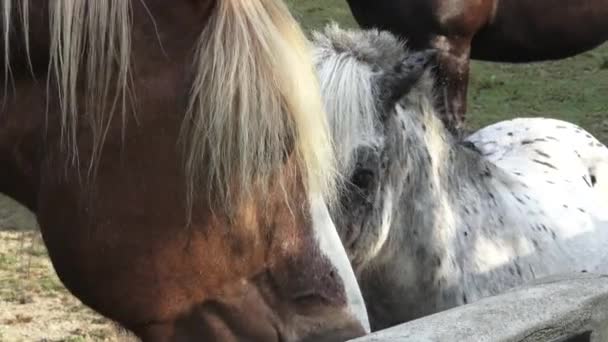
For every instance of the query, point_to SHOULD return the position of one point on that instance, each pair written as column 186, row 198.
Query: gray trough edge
column 550, row 309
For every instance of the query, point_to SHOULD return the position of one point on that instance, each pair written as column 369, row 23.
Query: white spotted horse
column 430, row 223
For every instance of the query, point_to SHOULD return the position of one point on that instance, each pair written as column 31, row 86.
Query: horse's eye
column 362, row 178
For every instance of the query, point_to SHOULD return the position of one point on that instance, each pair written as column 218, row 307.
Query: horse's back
column 550, row 146
column 556, row 174
column 555, row 151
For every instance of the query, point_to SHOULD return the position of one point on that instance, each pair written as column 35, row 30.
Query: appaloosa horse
column 430, row 223
column 178, row 159
column 491, row 30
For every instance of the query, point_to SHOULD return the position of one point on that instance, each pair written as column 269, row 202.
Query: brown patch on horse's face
column 258, row 276
column 288, row 290
column 121, row 245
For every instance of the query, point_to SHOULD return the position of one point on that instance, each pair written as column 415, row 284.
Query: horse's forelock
column 348, row 63
column 253, row 93
column 371, row 47
column 349, row 101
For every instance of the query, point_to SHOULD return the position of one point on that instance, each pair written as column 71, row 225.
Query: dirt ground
column 34, row 305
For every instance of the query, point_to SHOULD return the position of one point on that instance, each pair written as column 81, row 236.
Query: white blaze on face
column 331, row 245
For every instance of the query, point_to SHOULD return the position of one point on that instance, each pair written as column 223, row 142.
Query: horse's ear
column 395, row 83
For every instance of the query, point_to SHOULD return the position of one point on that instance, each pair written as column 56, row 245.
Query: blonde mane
column 254, row 98
column 89, row 36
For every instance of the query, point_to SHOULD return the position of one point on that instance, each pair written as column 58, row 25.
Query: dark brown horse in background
column 178, row 161
column 491, row 30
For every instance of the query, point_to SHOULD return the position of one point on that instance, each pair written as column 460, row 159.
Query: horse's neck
column 446, row 187
column 438, row 167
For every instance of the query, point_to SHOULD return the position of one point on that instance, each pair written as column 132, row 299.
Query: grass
column 573, row 89
column 314, row 14
column 34, row 304
column 24, row 268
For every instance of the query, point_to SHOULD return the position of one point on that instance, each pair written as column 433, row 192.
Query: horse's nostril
column 338, row 335
column 310, row 299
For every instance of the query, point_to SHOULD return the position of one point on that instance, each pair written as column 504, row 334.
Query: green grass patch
column 8, row 261
column 314, row 14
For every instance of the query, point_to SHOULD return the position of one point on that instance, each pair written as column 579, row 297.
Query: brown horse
column 178, row 160
column 491, row 30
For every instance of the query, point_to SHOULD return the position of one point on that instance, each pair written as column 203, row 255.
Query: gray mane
column 352, row 65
